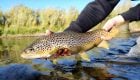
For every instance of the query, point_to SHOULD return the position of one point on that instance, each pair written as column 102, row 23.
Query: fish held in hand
column 69, row 42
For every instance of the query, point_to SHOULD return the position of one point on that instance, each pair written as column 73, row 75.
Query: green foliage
column 57, row 19
column 1, row 18
column 21, row 16
column 22, row 30
column 1, row 23
column 11, row 48
column 23, row 20
column 53, row 18
column 71, row 15
column 1, row 30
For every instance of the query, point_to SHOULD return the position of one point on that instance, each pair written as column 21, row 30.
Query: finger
column 48, row 32
column 108, row 25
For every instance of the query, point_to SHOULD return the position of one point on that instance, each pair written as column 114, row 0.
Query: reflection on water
column 10, row 49
column 67, row 69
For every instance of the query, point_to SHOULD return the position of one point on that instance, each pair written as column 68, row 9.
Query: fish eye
column 31, row 49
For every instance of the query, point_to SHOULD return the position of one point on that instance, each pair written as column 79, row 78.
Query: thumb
column 48, row 32
column 108, row 25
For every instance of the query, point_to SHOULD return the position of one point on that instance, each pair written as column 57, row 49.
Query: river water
column 105, row 63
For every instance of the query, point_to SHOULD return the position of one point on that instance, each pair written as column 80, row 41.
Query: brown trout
column 47, row 46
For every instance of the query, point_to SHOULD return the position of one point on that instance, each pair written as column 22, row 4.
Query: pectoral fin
column 104, row 44
column 54, row 61
column 84, row 56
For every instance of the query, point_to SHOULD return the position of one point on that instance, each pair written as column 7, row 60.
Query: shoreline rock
column 135, row 50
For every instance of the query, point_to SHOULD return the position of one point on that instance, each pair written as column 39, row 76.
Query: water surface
column 103, row 66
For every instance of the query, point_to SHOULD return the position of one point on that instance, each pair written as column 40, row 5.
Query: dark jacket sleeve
column 92, row 14
column 133, row 14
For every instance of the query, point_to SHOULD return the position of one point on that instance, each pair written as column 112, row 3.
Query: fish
column 76, row 43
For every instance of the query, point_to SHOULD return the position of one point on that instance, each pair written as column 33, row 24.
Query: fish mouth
column 34, row 56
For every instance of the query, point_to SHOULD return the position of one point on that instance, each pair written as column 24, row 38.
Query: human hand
column 113, row 22
column 48, row 32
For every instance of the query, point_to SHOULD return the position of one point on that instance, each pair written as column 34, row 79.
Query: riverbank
column 133, row 34
column 23, row 35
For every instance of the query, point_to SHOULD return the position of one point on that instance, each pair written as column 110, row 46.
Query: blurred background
column 36, row 16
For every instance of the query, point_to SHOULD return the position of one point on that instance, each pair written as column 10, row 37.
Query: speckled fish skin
column 46, row 46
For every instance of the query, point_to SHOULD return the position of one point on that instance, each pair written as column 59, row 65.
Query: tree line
column 23, row 20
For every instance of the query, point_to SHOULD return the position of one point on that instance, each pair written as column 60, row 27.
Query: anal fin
column 104, row 44
column 84, row 56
